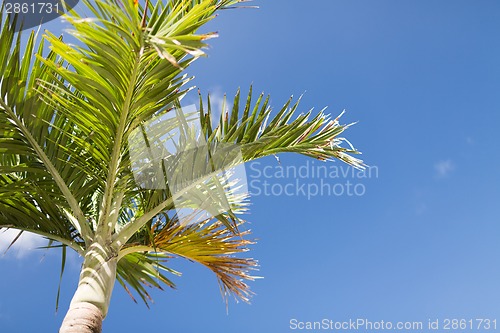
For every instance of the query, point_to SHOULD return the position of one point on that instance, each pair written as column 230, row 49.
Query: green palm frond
column 32, row 164
column 141, row 270
column 26, row 206
column 257, row 134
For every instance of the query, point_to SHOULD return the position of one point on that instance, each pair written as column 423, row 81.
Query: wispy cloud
column 444, row 168
column 22, row 247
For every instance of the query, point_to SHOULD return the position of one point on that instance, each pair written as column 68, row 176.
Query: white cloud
column 23, row 246
column 444, row 168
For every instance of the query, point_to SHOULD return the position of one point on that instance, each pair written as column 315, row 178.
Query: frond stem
column 106, row 224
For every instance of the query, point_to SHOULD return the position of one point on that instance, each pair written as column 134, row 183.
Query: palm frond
column 209, row 243
column 27, row 207
column 141, row 270
column 252, row 128
column 32, row 166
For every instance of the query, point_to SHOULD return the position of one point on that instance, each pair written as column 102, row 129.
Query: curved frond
column 253, row 128
column 34, row 210
column 30, row 154
column 141, row 270
column 209, row 243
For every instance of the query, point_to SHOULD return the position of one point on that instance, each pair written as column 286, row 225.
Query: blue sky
column 422, row 79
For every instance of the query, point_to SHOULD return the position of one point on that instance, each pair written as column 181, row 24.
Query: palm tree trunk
column 82, row 318
column 90, row 303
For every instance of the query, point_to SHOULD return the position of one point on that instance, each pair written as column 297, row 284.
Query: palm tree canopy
column 67, row 113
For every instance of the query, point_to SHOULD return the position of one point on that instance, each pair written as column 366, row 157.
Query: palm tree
column 67, row 114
